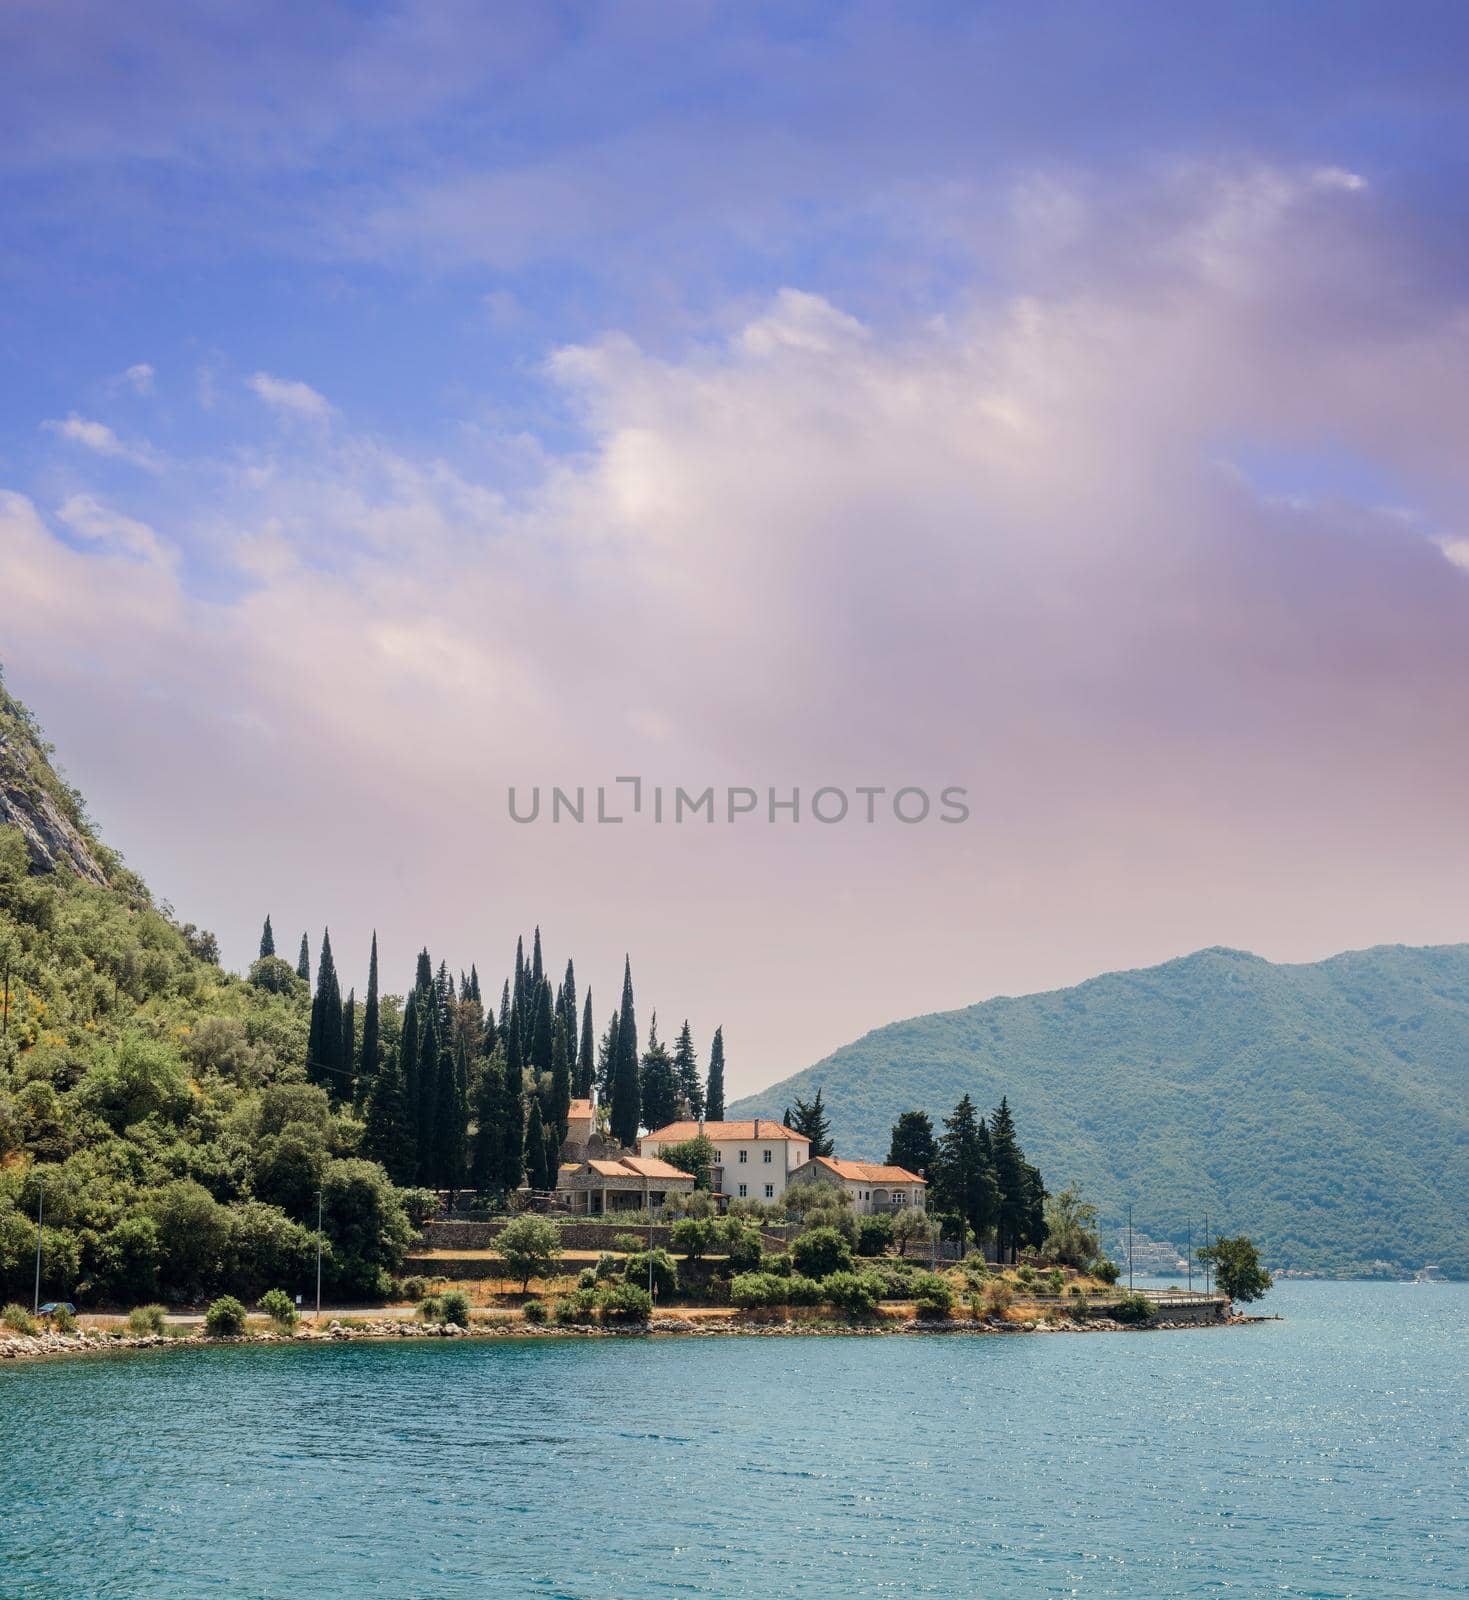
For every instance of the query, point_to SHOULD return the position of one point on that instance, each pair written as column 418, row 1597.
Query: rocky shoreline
column 91, row 1342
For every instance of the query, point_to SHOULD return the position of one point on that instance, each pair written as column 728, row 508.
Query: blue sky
column 1066, row 400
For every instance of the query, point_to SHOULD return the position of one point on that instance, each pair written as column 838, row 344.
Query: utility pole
column 1208, row 1263
column 648, row 1207
column 318, row 1255
column 40, row 1212
column 1129, row 1247
column 1190, row 1258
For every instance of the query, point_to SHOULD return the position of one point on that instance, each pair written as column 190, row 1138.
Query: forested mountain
column 1323, row 1108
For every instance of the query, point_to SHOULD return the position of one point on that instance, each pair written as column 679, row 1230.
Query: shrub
column 694, row 1237
column 430, row 1309
column 277, row 1305
column 420, row 1204
column 576, row 1310
column 607, row 1266
column 225, row 1318
column 750, row 1290
column 625, row 1302
column 856, row 1293
column 147, row 1319
column 587, row 1278
column 802, row 1291
column 1106, row 1272
column 664, row 1274
column 627, row 1242
column 896, row 1277
column 911, row 1226
column 874, row 1235
column 932, row 1295
column 998, row 1297
column 820, row 1253
column 1025, row 1275
column 1056, row 1280
column 454, row 1307
column 778, row 1262
column 743, row 1245
column 533, row 1311
column 64, row 1321
column 414, row 1288
column 18, row 1319
column 1134, row 1309
column 1081, row 1309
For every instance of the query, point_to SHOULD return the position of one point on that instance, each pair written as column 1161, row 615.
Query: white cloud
column 91, row 519
column 290, row 395
column 139, row 378
column 99, row 438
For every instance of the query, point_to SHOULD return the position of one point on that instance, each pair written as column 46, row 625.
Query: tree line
column 459, row 1093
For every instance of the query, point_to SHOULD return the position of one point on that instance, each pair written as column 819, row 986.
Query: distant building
column 753, row 1160
column 603, row 1186
column 874, row 1189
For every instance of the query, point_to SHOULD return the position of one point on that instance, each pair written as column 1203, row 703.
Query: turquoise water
column 1325, row 1455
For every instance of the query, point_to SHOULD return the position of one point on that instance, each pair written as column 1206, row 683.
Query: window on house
column 742, row 1191
column 744, row 1155
column 767, row 1158
column 770, row 1191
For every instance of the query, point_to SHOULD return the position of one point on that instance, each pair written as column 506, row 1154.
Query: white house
column 873, row 1188
column 753, row 1160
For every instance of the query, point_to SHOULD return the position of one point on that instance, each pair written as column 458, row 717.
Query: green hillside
column 1323, row 1108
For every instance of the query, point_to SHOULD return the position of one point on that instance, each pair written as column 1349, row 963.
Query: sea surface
column 1323, row 1455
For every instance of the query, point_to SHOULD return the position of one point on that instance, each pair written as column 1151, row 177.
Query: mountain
column 1322, row 1108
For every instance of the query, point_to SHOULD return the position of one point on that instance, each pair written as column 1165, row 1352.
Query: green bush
column 625, row 1302
column 694, row 1237
column 820, row 1253
column 225, row 1318
column 577, row 1310
column 1106, row 1272
column 665, row 1273
column 534, row 1311
column 454, row 1307
column 147, row 1319
column 932, row 1295
column 750, row 1290
column 628, row 1242
column 64, row 1321
column 743, row 1245
column 1134, row 1309
column 278, row 1306
column 587, row 1278
column 856, row 1293
column 530, row 1248
column 18, row 1319
column 430, row 1309
column 874, row 1235
column 608, row 1266
column 414, row 1288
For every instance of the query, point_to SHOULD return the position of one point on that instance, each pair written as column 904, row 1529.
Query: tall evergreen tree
column 911, row 1145
column 505, row 1006
column 512, row 1159
column 686, row 1070
column 517, row 994
column 325, row 1060
column 444, row 993
column 349, row 1042
column 408, row 1070
column 451, row 1123
column 535, row 1147
column 489, row 1033
column 543, row 1033
column 368, row 1060
column 963, row 1180
column 568, row 1006
column 560, row 1103
column 388, row 1136
column 586, row 1061
column 303, row 961
column 714, row 1097
column 486, row 1166
column 811, row 1122
column 1011, row 1179
column 607, row 1061
column 429, row 1051
column 423, row 978
column 626, row 1102
column 267, row 939
column 658, row 1086
column 537, row 967
column 474, row 993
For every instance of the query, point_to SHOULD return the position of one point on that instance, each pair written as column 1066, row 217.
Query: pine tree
column 1010, row 1177
column 911, row 1146
column 560, row 1104
column 451, row 1125
column 811, row 1122
column 388, row 1136
column 474, row 993
column 963, row 1178
column 505, row 1006
column 686, row 1070
column 714, row 1098
column 303, row 961
column 535, row 1147
column 586, row 1061
column 367, row 1061
column 408, row 1071
column 325, row 1061
column 658, row 1088
column 517, row 994
column 626, row 1104
column 267, row 939
column 444, row 994
column 512, row 1159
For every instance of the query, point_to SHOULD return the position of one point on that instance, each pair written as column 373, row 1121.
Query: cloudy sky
column 1065, row 402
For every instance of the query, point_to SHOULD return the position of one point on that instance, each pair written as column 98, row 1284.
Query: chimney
column 701, row 1127
column 757, row 1127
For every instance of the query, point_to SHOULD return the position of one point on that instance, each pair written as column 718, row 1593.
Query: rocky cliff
column 35, row 800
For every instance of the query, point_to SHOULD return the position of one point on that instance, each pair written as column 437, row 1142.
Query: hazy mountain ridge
column 1321, row 1106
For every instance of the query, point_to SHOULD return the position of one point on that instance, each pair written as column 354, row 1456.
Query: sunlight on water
column 1323, row 1456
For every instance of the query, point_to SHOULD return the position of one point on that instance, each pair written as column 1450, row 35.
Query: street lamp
column 318, row 1255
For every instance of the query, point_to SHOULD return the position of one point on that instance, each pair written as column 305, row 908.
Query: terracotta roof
column 652, row 1167
column 580, row 1108
column 867, row 1171
column 608, row 1169
column 723, row 1132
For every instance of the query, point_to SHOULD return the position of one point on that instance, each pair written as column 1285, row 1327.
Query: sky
column 1061, row 403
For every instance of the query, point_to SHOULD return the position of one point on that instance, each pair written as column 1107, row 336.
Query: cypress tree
column 537, row 970
column 911, row 1145
column 512, row 1159
column 444, row 993
column 560, row 1107
column 367, row 1061
column 388, row 1136
column 489, row 1034
column 553, row 1158
column 474, row 993
column 423, row 978
column 517, row 995
column 303, row 961
column 543, row 1033
column 349, row 1043
column 607, row 1061
column 626, row 1104
column 568, row 1008
column 658, row 1088
column 408, row 1070
column 267, row 939
column 428, row 1086
column 686, row 1069
column 451, row 1127
column 505, row 1006
column 586, row 1061
column 714, row 1099
column 486, row 1160
column 535, row 1147
column 1010, row 1177
column 324, row 1058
